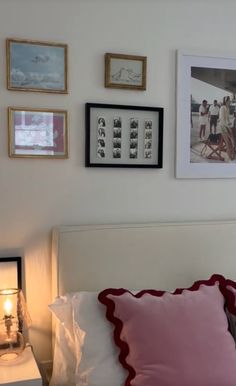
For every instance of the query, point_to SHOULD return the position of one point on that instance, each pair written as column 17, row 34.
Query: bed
column 161, row 256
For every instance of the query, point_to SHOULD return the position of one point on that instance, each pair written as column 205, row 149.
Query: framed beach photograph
column 37, row 133
column 123, row 136
column 36, row 66
column 206, row 116
column 125, row 71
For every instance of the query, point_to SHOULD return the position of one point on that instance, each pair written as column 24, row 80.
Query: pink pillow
column 179, row 339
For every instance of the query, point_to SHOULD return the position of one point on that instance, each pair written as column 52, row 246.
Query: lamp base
column 11, row 346
column 9, row 357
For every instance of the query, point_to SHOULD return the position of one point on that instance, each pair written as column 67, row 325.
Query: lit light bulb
column 8, row 307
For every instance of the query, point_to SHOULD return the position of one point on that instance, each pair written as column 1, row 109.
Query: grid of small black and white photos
column 147, row 139
column 117, row 133
column 133, row 145
column 101, row 143
column 123, row 136
column 134, row 125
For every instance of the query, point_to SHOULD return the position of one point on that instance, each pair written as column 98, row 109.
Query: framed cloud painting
column 36, row 66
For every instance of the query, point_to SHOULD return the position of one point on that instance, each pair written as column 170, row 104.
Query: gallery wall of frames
column 116, row 135
column 124, row 135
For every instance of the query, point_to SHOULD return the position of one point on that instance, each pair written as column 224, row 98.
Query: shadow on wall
column 38, row 292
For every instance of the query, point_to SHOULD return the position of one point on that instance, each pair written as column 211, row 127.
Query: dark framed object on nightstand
column 10, row 272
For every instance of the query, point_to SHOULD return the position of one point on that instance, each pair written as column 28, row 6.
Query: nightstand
column 21, row 372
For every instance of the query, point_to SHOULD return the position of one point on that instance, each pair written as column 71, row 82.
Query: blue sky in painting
column 37, row 66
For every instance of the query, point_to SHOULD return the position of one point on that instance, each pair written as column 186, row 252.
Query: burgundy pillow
column 229, row 289
column 173, row 339
column 230, row 296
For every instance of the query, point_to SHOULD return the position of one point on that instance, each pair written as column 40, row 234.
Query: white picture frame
column 202, row 76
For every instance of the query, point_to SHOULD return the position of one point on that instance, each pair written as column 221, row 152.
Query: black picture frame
column 123, row 136
column 18, row 267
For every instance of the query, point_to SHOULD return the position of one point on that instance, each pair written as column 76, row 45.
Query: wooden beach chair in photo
column 213, row 147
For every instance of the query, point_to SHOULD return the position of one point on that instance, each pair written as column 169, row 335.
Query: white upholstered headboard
column 162, row 255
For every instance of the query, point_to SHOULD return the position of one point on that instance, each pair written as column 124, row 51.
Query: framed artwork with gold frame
column 36, row 66
column 125, row 71
column 37, row 133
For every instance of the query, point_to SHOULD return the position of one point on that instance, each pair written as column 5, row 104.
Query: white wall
column 35, row 195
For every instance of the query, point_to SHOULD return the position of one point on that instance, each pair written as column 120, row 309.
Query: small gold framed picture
column 125, row 71
column 37, row 133
column 36, row 66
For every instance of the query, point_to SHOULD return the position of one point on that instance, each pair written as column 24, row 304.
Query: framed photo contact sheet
column 123, row 136
column 36, row 66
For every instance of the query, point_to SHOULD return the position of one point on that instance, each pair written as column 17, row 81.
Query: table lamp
column 13, row 318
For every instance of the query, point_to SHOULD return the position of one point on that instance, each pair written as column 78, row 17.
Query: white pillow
column 64, row 361
column 97, row 363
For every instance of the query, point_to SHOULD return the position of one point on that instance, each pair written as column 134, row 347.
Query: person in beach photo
column 225, row 128
column 203, row 119
column 213, row 116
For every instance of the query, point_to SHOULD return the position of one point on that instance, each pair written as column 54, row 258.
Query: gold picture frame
column 37, row 133
column 37, row 66
column 125, row 71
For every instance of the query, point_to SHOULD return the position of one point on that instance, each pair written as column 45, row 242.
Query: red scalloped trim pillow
column 173, row 339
